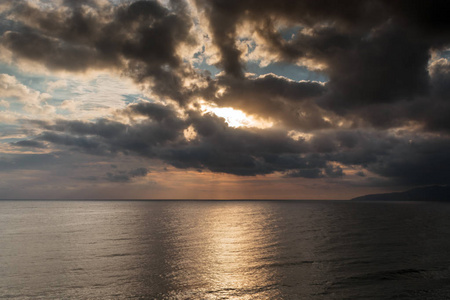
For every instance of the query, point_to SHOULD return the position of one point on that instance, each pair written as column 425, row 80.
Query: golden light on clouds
column 297, row 135
column 236, row 118
column 190, row 133
column 206, row 100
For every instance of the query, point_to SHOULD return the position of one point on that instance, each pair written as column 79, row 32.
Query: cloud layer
column 380, row 117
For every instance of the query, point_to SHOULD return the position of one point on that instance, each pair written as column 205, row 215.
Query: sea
column 224, row 250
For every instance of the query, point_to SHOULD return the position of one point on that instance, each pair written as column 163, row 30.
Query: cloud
column 33, row 102
column 157, row 132
column 276, row 98
column 217, row 147
column 371, row 35
column 29, row 143
column 241, row 151
column 124, row 176
column 69, row 105
column 375, row 53
column 4, row 103
column 418, row 161
column 139, row 39
column 11, row 88
column 381, row 115
column 306, row 173
column 58, row 84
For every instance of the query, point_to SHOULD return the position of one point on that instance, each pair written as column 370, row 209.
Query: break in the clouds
column 261, row 95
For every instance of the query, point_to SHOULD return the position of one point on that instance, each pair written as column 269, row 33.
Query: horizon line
column 162, row 199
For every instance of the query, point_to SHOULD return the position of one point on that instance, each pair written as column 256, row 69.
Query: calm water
column 224, row 250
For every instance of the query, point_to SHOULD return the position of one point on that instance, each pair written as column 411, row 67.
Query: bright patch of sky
column 77, row 97
column 288, row 33
column 444, row 53
column 103, row 93
column 293, row 72
column 200, row 62
column 34, row 81
column 288, row 70
column 236, row 118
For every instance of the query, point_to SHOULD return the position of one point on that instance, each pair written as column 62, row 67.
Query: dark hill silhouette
column 429, row 193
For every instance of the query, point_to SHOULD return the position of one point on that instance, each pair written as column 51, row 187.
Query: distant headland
column 429, row 193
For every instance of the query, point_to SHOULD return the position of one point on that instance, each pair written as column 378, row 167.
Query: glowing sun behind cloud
column 235, row 117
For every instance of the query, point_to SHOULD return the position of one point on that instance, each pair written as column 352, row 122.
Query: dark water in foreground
column 224, row 250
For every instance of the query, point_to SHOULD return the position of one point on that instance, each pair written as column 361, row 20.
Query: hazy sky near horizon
column 223, row 99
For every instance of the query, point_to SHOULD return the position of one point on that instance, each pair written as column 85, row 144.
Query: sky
column 222, row 99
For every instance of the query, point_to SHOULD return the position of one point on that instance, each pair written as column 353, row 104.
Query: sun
column 236, row 118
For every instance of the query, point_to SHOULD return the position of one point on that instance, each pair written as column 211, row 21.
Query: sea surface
column 224, row 250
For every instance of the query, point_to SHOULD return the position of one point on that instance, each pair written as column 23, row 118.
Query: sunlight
column 236, row 118
column 297, row 135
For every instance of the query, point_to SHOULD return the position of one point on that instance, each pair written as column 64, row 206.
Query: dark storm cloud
column 375, row 53
column 429, row 18
column 238, row 151
column 435, row 110
column 406, row 159
column 397, row 64
column 143, row 138
column 416, row 162
column 385, row 108
column 156, row 112
column 29, row 143
column 440, row 76
column 386, row 64
column 410, row 159
column 217, row 147
column 87, row 144
column 276, row 98
column 59, row 39
column 430, row 111
column 224, row 16
column 139, row 39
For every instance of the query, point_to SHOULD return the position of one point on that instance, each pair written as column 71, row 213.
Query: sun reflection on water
column 234, row 243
